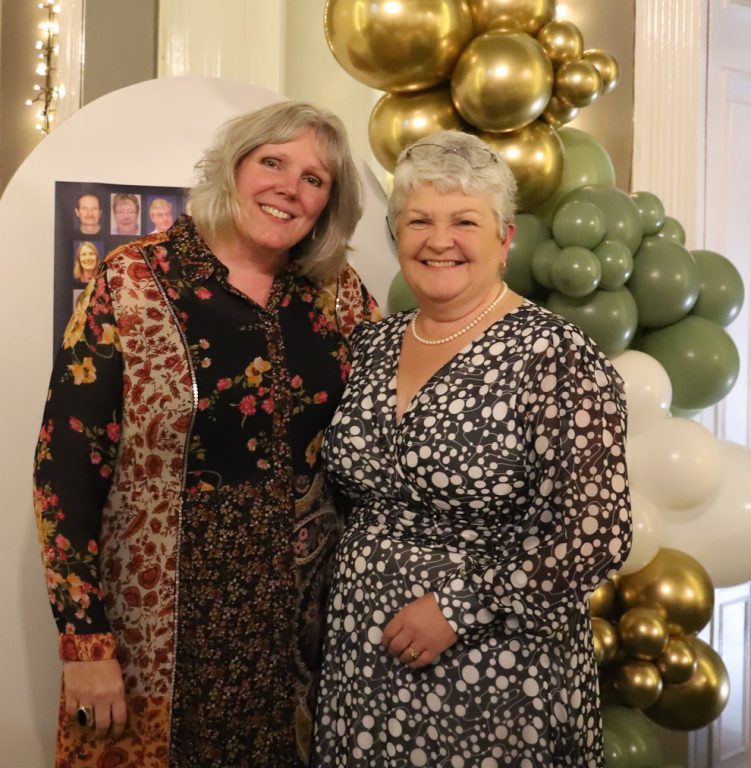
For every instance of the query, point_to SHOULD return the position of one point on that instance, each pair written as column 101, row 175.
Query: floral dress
column 503, row 492
column 182, row 514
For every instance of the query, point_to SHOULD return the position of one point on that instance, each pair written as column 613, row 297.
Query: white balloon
column 648, row 533
column 676, row 464
column 648, row 389
column 720, row 538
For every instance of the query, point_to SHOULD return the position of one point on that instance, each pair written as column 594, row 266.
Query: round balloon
column 616, row 754
column 664, row 282
column 648, row 390
column 605, row 638
column 677, row 464
column 558, row 113
column 579, row 223
column 643, row 633
column 648, row 533
column 530, row 232
column 700, row 358
column 678, row 661
column 607, row 66
column 616, row 264
column 700, row 700
column 543, row 256
column 502, row 81
column 609, row 317
column 721, row 288
column 676, row 586
column 638, row 683
column 603, row 602
column 399, row 119
column 672, row 229
column 400, row 296
column 535, row 155
column 403, row 46
column 636, row 733
column 651, row 210
column 578, row 83
column 562, row 41
column 575, row 272
column 585, row 162
column 511, row 15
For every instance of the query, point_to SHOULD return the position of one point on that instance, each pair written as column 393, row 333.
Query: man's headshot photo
column 89, row 213
column 161, row 214
column 126, row 214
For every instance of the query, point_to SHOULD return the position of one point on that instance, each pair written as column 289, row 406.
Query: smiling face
column 89, row 213
column 450, row 250
column 88, row 257
column 126, row 217
column 161, row 215
column 282, row 188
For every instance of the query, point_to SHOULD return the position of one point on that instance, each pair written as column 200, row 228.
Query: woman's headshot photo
column 126, row 214
column 86, row 260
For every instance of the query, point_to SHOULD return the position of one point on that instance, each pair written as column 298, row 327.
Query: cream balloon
column 676, row 464
column 648, row 533
column 648, row 389
column 502, row 81
column 511, row 15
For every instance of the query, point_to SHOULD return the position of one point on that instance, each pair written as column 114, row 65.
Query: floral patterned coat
column 182, row 514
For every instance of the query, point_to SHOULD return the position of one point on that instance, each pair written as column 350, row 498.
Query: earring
column 313, row 235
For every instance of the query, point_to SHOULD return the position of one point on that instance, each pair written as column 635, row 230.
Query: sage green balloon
column 579, row 223
column 616, row 754
column 543, row 257
column 531, row 231
column 700, row 358
column 636, row 734
column 608, row 317
column 665, row 282
column 623, row 222
column 616, row 264
column 575, row 271
column 672, row 229
column 651, row 210
column 585, row 161
column 721, row 288
column 400, row 296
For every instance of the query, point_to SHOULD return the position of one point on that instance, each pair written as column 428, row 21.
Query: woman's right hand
column 99, row 686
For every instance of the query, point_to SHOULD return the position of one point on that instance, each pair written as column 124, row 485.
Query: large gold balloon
column 398, row 119
column 502, row 81
column 606, row 64
column 643, row 633
column 678, row 661
column 578, row 83
column 603, row 601
column 676, row 586
column 558, row 113
column 511, row 15
column 398, row 46
column 699, row 701
column 638, row 683
column 535, row 156
column 605, row 639
column 562, row 41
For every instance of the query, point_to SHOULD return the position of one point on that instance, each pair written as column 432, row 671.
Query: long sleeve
column 573, row 527
column 73, row 466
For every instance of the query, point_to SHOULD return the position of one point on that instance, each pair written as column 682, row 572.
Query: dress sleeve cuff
column 97, row 647
column 463, row 612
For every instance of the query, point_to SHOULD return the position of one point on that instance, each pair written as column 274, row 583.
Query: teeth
column 276, row 213
column 431, row 263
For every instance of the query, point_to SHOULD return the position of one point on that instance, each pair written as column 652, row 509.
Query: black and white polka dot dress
column 503, row 491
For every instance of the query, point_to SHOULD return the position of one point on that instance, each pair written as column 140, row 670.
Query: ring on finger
column 413, row 654
column 85, row 716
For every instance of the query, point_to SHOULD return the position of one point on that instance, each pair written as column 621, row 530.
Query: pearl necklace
column 496, row 301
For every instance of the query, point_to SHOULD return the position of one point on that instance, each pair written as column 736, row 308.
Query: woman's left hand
column 419, row 633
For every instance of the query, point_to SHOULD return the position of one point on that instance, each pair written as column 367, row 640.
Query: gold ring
column 413, row 654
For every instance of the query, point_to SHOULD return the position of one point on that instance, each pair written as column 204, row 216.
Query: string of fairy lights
column 46, row 91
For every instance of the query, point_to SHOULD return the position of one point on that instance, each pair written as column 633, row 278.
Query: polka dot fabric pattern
column 503, row 492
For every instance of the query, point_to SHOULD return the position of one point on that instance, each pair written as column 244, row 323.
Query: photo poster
column 92, row 219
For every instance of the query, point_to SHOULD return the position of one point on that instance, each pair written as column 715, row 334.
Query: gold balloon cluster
column 644, row 627
column 506, row 69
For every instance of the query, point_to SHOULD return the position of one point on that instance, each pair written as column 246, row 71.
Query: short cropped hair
column 214, row 203
column 452, row 170
column 125, row 197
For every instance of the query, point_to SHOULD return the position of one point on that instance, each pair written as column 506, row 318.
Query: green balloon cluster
column 630, row 739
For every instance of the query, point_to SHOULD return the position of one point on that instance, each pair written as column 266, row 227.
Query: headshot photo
column 126, row 214
column 89, row 214
column 161, row 214
column 86, row 260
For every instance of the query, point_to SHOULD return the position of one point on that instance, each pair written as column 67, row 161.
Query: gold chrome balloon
column 398, row 119
column 603, row 601
column 502, row 81
column 643, row 633
column 562, row 41
column 606, row 64
column 638, row 683
column 398, row 46
column 511, row 15
column 678, row 662
column 578, row 83
column 699, row 701
column 558, row 113
column 535, row 156
column 676, row 586
column 605, row 638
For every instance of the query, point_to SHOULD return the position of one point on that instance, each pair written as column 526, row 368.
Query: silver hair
column 449, row 171
column 214, row 204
